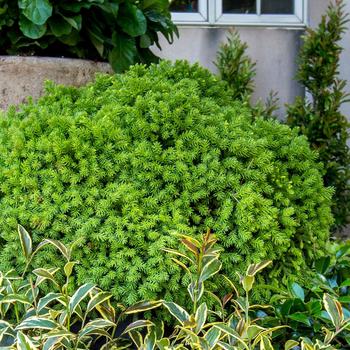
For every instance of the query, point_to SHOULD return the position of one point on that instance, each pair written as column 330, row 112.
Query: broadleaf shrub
column 118, row 164
column 320, row 117
column 120, row 31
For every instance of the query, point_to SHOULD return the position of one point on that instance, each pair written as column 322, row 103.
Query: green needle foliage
column 320, row 118
column 120, row 31
column 119, row 163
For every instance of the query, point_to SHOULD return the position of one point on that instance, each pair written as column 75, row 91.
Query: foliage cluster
column 236, row 67
column 120, row 31
column 301, row 308
column 119, row 163
column 319, row 117
column 89, row 318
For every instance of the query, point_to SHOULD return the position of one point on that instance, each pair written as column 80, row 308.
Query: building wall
column 274, row 50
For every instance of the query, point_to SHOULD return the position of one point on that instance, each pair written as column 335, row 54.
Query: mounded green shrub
column 118, row 164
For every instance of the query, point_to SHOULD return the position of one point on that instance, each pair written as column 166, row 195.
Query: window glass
column 239, row 6
column 184, row 6
column 277, row 7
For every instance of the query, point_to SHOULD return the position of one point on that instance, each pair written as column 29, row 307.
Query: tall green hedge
column 118, row 164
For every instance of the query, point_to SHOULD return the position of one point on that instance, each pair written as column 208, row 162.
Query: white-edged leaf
column 290, row 344
column 46, row 274
column 231, row 333
column 65, row 251
column 212, row 336
column 142, row 306
column 26, row 241
column 68, row 268
column 79, row 295
column 334, row 309
column 97, row 299
column 210, row 269
column 136, row 325
column 24, row 343
column 95, row 326
column 15, row 298
column 37, row 323
column 177, row 311
column 48, row 298
column 201, row 317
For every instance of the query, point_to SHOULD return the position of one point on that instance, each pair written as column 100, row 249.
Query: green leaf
column 142, row 306
column 322, row 264
column 26, row 242
column 132, row 20
column 201, row 317
column 123, row 54
column 15, row 298
column 65, row 251
column 68, row 268
column 231, row 333
column 37, row 323
column 46, row 274
column 163, row 344
column 95, row 326
column 136, row 325
column 79, row 295
column 297, row 291
column 210, row 269
column 290, row 344
column 110, row 8
column 344, row 299
column 177, row 311
column 334, row 309
column 44, row 301
column 74, row 21
column 59, row 26
column 37, row 11
column 145, row 41
column 345, row 283
column 265, row 343
column 150, row 339
column 136, row 337
column 253, row 269
column 212, row 336
column 71, row 39
column 247, row 282
column 300, row 317
column 97, row 299
column 24, row 343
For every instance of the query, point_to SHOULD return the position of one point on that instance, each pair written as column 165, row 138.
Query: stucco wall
column 274, row 49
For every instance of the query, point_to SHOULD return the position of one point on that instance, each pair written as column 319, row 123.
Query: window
column 241, row 12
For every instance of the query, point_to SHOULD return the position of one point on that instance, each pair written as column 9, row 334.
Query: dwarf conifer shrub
column 118, row 164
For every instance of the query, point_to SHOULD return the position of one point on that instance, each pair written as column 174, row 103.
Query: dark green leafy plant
column 119, row 163
column 120, row 31
column 319, row 311
column 320, row 118
column 236, row 67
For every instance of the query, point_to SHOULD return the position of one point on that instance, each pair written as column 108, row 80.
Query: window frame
column 210, row 14
column 192, row 17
